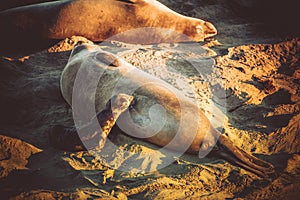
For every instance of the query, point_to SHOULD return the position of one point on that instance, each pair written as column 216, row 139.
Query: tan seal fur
column 185, row 127
column 98, row 20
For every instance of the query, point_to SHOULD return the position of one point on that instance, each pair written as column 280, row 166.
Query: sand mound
column 14, row 154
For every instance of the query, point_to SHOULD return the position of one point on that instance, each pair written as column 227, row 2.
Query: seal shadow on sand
column 31, row 102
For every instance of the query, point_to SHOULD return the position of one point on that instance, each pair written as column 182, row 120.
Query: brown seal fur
column 97, row 20
column 185, row 127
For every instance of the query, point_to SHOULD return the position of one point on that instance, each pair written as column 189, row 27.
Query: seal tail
column 245, row 160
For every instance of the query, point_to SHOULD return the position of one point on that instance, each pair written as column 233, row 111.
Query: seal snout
column 203, row 30
column 210, row 30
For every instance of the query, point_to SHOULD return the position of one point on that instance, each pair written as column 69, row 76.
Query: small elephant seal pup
column 144, row 107
column 98, row 20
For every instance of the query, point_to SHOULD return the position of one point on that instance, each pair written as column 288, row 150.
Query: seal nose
column 210, row 29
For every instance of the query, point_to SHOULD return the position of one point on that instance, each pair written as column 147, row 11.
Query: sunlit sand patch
column 14, row 155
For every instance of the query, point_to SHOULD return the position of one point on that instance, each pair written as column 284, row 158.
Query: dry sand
column 246, row 80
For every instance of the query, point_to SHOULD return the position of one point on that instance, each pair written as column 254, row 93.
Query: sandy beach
column 246, row 80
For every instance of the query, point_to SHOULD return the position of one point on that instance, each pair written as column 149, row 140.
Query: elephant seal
column 155, row 111
column 98, row 20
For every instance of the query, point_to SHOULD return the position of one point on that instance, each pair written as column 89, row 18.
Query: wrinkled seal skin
column 96, row 20
column 185, row 126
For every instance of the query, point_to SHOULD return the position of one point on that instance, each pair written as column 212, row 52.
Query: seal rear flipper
column 238, row 156
column 107, row 119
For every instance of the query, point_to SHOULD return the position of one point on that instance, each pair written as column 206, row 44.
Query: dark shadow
column 289, row 70
column 44, row 173
column 29, row 93
column 280, row 97
column 279, row 161
column 13, row 45
column 17, row 3
column 252, row 117
column 278, row 17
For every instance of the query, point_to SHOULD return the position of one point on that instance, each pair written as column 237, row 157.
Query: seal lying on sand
column 151, row 109
column 98, row 20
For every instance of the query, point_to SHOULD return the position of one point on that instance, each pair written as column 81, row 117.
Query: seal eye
column 199, row 29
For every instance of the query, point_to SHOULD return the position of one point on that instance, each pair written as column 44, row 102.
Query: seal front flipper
column 107, row 119
column 91, row 136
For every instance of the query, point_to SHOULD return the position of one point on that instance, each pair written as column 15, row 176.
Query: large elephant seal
column 154, row 111
column 98, row 20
